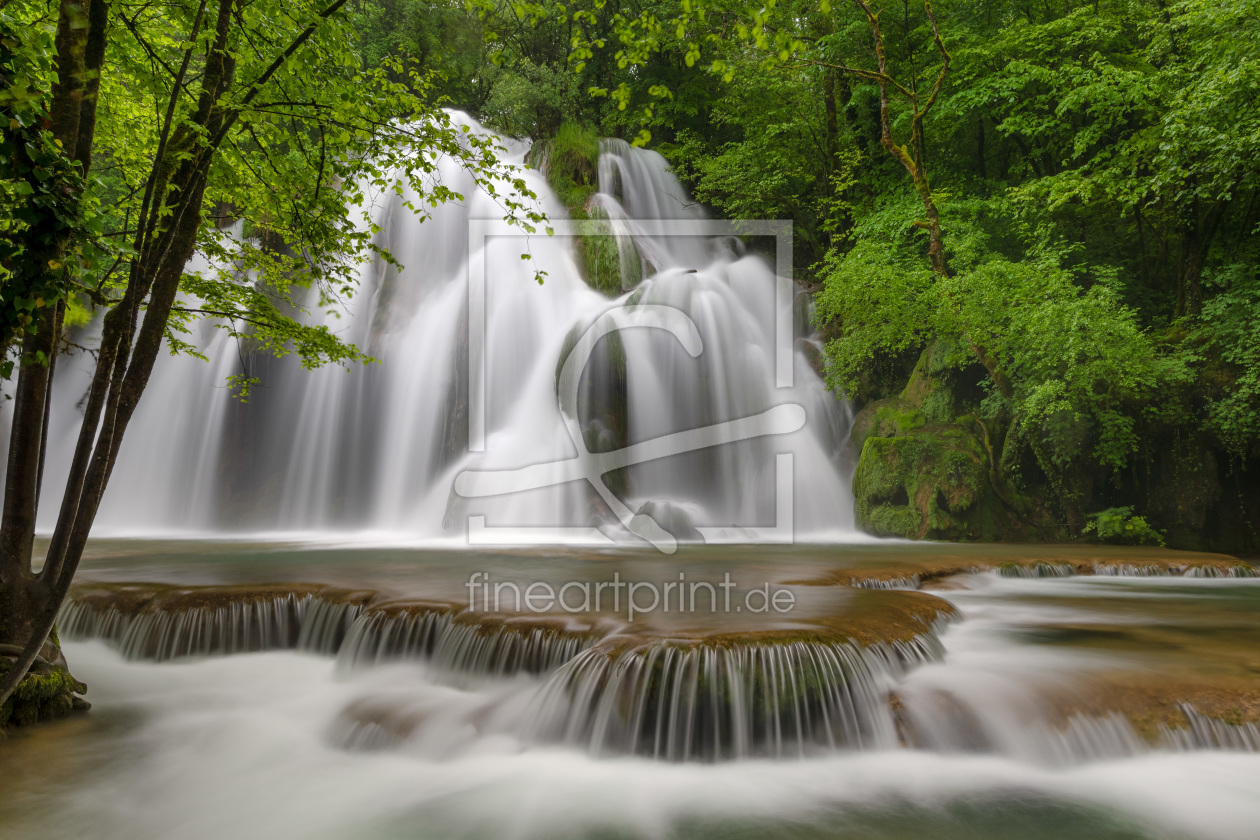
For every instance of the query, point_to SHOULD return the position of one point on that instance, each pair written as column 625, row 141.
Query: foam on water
column 254, row 747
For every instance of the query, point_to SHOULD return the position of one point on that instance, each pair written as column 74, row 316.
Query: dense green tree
column 1057, row 205
column 134, row 133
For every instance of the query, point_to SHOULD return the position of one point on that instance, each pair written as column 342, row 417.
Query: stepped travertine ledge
column 837, row 672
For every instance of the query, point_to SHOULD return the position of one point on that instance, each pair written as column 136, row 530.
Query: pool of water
column 1036, row 721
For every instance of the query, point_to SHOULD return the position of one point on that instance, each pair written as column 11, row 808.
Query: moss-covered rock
column 925, row 472
column 609, row 263
column 570, row 160
column 47, row 692
column 931, row 482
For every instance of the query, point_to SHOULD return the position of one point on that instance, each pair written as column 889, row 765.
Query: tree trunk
column 67, row 94
column 24, row 469
column 1195, row 242
column 165, row 240
column 936, row 243
column 26, row 444
column 94, row 63
column 833, row 123
column 26, row 600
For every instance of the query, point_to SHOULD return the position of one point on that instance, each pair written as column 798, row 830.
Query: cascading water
column 436, row 722
column 425, row 716
column 611, row 687
column 707, row 702
column 378, row 448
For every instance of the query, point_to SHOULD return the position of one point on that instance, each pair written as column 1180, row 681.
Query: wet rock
column 675, row 519
column 925, row 472
column 47, row 692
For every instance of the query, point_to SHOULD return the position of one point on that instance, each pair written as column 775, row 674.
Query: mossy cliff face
column 925, row 472
column 939, row 459
column 570, row 160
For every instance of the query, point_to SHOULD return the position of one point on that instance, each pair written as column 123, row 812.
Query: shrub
column 1119, row 525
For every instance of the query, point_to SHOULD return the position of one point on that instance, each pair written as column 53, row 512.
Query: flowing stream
column 368, row 722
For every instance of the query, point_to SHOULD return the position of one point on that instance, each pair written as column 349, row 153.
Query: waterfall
column 706, row 702
column 609, row 691
column 378, row 448
column 456, row 648
column 160, row 623
column 604, row 690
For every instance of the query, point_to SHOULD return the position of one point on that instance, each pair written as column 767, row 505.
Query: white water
column 377, row 449
column 274, row 745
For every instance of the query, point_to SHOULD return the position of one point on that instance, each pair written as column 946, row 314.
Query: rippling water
column 1002, row 738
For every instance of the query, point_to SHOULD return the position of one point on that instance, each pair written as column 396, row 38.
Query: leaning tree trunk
column 123, row 368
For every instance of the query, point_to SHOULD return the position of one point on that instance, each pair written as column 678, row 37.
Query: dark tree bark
column 23, row 597
column 833, row 123
column 94, row 62
column 1196, row 238
column 72, row 71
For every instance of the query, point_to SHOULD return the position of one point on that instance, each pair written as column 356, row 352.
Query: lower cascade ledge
column 666, row 691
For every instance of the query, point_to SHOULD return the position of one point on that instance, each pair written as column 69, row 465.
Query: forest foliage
column 1095, row 167
column 285, row 223
column 1058, row 201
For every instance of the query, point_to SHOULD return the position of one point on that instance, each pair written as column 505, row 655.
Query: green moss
column 923, row 471
column 921, row 482
column 938, row 406
column 46, row 693
column 575, row 153
column 894, row 520
column 609, row 264
column 571, row 163
column 922, row 400
column 898, row 418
